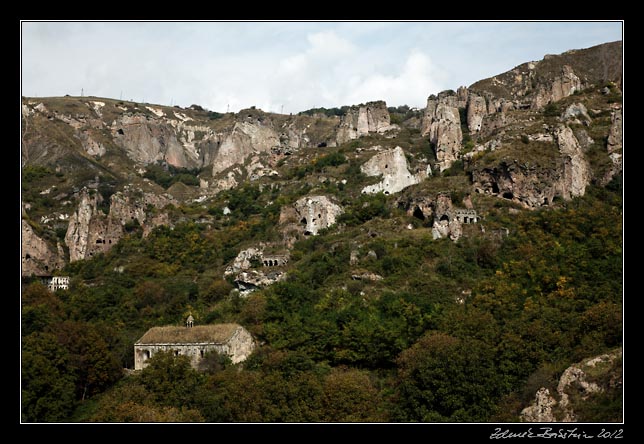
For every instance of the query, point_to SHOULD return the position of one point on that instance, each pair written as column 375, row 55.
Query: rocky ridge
column 502, row 129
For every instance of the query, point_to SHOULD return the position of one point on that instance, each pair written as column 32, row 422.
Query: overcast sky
column 284, row 66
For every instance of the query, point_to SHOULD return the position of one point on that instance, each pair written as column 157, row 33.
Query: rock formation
column 576, row 113
column 541, row 409
column 615, row 132
column 576, row 378
column 246, row 138
column 565, row 174
column 91, row 231
column 38, row 258
column 253, row 269
column 364, row 119
column 251, row 280
column 576, row 171
column 445, row 222
column 150, row 140
column 563, row 85
column 442, row 123
column 392, row 166
column 316, row 213
column 476, row 111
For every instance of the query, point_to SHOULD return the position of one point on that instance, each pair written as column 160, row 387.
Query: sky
column 284, row 67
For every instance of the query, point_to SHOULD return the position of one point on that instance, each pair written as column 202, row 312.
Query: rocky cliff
column 363, row 120
column 91, row 231
column 392, row 166
column 541, row 131
column 38, row 256
column 442, row 124
column 535, row 84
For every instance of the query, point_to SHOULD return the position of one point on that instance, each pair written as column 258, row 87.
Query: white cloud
column 417, row 78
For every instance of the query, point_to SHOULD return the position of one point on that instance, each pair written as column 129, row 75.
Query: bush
column 551, row 110
column 167, row 175
column 333, row 159
column 456, row 169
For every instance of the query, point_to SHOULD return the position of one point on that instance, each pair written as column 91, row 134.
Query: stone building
column 195, row 342
column 466, row 216
column 59, row 283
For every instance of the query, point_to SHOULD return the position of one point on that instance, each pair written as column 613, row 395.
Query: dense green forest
column 332, row 348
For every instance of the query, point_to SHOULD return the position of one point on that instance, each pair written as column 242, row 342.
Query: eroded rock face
column 253, row 269
column 38, row 258
column 445, row 222
column 246, row 138
column 442, row 123
column 244, row 259
column 574, row 378
column 563, row 85
column 92, row 147
column 240, row 345
column 251, row 280
column 541, row 408
column 530, row 187
column 91, row 231
column 148, row 141
column 533, row 185
column 307, row 217
column 316, row 213
column 476, row 111
column 576, row 170
column 615, row 169
column 615, row 136
column 462, row 97
column 577, row 113
column 393, row 167
column 362, row 120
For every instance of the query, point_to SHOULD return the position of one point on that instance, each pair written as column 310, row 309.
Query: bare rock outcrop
column 442, row 123
column 564, row 172
column 91, row 231
column 541, row 409
column 615, row 137
column 576, row 170
column 445, row 222
column 245, row 139
column 476, row 111
column 393, row 167
column 462, row 97
column 577, row 113
column 306, row 217
column 614, row 170
column 528, row 186
column 38, row 257
column 316, row 213
column 148, row 140
column 583, row 379
column 362, row 120
column 563, row 85
column 251, row 280
column 253, row 269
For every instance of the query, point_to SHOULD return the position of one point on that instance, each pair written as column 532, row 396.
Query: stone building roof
column 217, row 333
